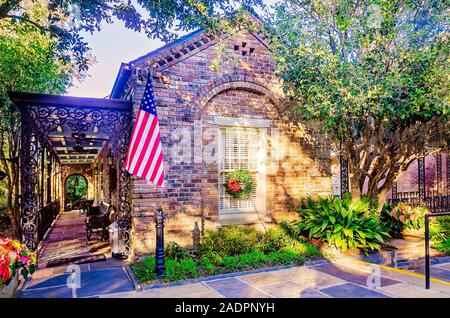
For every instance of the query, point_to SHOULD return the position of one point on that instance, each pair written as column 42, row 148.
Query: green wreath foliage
column 245, row 179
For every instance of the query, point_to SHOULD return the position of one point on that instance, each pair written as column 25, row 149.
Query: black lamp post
column 159, row 252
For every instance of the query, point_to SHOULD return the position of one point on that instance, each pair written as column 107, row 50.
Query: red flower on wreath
column 234, row 185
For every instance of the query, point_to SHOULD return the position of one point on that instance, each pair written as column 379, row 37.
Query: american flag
column 144, row 157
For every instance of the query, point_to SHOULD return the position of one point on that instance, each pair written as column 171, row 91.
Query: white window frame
column 245, row 215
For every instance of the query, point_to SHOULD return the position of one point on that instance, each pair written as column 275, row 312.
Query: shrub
column 291, row 230
column 180, row 270
column 440, row 233
column 229, row 240
column 207, row 265
column 175, row 252
column 392, row 225
column 214, row 257
column 230, row 263
column 303, row 249
column 145, row 271
column 285, row 257
column 252, row 260
column 410, row 217
column 348, row 224
column 273, row 240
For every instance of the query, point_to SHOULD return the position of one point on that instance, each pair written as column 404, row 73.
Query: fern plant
column 345, row 223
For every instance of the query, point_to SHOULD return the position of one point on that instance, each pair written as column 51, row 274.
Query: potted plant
column 16, row 261
column 412, row 220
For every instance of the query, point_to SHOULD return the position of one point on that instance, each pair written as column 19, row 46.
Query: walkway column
column 29, row 193
column 394, row 190
column 447, row 164
column 421, row 177
column 123, row 182
column 345, row 187
column 439, row 173
column 49, row 178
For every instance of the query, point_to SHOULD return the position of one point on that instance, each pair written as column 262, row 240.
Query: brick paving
column 67, row 239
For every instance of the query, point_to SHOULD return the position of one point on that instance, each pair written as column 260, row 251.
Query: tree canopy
column 375, row 73
column 66, row 20
column 29, row 63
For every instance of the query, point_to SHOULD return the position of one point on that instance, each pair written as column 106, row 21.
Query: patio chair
column 98, row 219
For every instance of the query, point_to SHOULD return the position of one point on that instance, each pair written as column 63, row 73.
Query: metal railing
column 436, row 203
column 47, row 215
column 427, row 244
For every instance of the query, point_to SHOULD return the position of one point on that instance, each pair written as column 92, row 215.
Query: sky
column 111, row 46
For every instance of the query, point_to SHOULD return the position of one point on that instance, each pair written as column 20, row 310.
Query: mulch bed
column 6, row 231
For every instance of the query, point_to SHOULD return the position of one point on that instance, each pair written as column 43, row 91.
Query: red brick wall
column 245, row 88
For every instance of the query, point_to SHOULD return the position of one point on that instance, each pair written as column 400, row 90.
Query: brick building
column 213, row 122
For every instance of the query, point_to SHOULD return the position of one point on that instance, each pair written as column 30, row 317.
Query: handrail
column 427, row 244
column 47, row 214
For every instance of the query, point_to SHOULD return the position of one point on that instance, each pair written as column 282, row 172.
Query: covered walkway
column 62, row 137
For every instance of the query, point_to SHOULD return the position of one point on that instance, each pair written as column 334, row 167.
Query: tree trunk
column 381, row 199
column 355, row 187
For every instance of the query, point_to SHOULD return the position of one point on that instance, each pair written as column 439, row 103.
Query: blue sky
column 111, row 46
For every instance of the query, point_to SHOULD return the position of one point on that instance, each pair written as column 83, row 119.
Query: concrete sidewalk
column 331, row 280
column 340, row 279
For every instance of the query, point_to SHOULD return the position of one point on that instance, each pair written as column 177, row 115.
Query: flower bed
column 226, row 250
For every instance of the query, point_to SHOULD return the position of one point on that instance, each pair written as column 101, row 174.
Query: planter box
column 9, row 290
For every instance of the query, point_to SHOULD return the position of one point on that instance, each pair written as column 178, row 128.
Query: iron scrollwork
column 421, row 175
column 29, row 200
column 439, row 172
column 345, row 187
column 40, row 121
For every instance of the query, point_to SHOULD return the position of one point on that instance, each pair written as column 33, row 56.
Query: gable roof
column 169, row 54
column 125, row 71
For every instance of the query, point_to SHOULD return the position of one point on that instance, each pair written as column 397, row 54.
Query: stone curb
column 144, row 287
column 137, row 285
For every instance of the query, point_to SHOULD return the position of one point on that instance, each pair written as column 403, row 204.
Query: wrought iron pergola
column 47, row 122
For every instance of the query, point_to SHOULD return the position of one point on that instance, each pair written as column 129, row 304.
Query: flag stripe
column 152, row 163
column 138, row 135
column 133, row 139
column 158, row 162
column 155, row 145
column 139, row 146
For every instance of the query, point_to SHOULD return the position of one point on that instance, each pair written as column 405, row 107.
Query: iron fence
column 47, row 215
column 433, row 202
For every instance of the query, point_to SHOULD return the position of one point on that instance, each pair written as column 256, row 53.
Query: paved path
column 341, row 279
column 332, row 280
column 67, row 239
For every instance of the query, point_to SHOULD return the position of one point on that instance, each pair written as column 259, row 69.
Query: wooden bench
column 98, row 218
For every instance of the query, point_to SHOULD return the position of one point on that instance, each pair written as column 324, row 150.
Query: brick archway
column 237, row 83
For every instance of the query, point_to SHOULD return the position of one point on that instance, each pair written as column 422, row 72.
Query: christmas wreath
column 239, row 184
